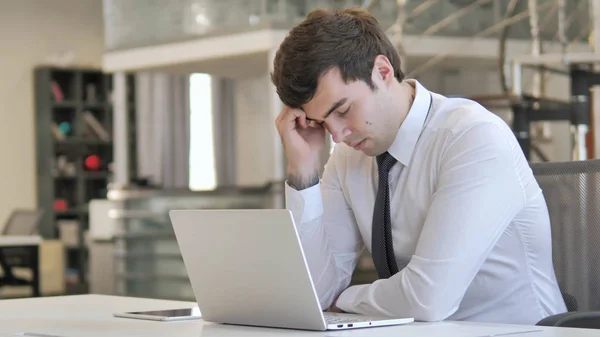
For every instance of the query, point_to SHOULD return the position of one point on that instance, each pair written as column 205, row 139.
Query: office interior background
column 116, row 112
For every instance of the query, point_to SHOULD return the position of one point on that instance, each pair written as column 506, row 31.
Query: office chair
column 572, row 193
column 20, row 223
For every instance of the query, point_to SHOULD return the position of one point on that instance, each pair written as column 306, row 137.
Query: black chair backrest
column 572, row 193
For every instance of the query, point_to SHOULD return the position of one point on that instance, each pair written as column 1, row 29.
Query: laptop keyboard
column 334, row 317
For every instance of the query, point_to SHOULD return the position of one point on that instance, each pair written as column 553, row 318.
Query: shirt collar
column 403, row 146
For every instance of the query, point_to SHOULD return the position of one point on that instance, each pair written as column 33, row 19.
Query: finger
column 282, row 114
column 284, row 119
column 300, row 117
column 294, row 118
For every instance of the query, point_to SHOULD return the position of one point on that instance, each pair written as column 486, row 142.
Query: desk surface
column 15, row 240
column 91, row 315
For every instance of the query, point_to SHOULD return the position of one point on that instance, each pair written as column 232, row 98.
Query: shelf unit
column 74, row 121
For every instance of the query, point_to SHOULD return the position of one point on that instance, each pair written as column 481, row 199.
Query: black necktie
column 381, row 241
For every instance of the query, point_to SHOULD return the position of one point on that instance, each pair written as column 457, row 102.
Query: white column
column 535, row 45
column 275, row 106
column 224, row 130
column 279, row 163
column 146, row 151
column 255, row 126
column 120, row 127
column 595, row 94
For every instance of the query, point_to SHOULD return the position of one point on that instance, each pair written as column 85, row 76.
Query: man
column 436, row 188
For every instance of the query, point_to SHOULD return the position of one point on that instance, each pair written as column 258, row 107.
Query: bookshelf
column 74, row 149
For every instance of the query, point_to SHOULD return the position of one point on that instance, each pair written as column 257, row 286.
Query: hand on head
column 303, row 141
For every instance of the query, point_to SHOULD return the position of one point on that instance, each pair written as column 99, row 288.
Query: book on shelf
column 95, row 126
column 57, row 91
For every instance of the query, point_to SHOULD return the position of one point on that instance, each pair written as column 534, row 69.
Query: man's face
column 354, row 113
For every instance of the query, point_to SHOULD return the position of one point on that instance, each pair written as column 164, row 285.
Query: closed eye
column 341, row 113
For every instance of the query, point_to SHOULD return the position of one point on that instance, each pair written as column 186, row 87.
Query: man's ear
column 383, row 71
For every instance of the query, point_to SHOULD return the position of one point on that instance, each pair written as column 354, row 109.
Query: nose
column 339, row 134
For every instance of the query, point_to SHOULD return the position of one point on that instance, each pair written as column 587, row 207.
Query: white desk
column 91, row 315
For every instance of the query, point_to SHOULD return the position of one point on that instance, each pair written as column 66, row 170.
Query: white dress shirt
column 470, row 227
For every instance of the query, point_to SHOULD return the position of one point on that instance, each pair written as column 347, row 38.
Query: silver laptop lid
column 247, row 267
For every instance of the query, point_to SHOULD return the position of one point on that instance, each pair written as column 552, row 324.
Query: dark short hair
column 348, row 39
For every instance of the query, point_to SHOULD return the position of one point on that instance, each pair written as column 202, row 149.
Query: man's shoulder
column 457, row 114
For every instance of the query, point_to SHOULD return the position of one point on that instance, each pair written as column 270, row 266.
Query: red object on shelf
column 92, row 162
column 60, row 205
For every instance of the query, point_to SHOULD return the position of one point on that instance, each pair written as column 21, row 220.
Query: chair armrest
column 577, row 319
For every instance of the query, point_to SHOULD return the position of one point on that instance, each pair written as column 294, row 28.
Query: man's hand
column 333, row 308
column 302, row 142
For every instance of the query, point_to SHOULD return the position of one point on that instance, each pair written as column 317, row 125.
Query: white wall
column 33, row 32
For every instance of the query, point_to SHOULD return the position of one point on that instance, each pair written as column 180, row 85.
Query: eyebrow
column 332, row 109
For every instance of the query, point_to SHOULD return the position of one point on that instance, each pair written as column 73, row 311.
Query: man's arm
column 478, row 193
column 328, row 233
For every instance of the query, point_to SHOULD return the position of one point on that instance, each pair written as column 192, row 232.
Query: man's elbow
column 433, row 311
column 427, row 296
column 431, row 315
column 431, row 305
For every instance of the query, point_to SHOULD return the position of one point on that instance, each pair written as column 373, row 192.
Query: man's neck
column 407, row 92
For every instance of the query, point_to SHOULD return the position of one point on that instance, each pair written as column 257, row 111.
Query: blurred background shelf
column 74, row 121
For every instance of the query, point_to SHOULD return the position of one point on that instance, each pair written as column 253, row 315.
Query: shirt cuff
column 346, row 300
column 306, row 205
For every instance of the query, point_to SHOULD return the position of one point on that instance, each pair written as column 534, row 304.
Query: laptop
column 247, row 267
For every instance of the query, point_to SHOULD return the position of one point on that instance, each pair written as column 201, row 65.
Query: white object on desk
column 91, row 316
column 163, row 315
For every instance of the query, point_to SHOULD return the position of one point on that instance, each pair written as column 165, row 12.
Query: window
column 202, row 156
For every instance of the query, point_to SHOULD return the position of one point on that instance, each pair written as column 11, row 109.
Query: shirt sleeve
column 479, row 191
column 328, row 232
